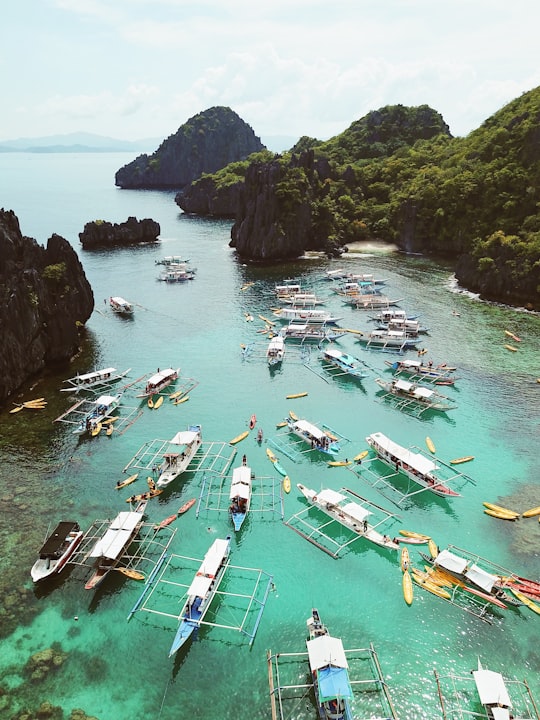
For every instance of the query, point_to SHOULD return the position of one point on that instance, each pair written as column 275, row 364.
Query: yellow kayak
column 110, row 420
column 176, row 394
column 287, row 484
column 411, row 534
column 293, row 415
column 110, row 429
column 128, row 572
column 179, row 401
column 339, row 463
column 511, row 334
column 532, row 512
column 271, row 455
column 96, row 429
column 430, row 445
column 404, row 559
column 458, row 461
column 501, row 515
column 407, row 586
column 432, row 547
column 361, row 455
column 498, row 508
column 150, row 402
column 239, row 438
column 296, row 395
column 127, row 481
column 526, row 601
column 431, row 587
column 281, row 424
column 159, row 402
column 511, row 348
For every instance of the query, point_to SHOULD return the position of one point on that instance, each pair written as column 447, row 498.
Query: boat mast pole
column 445, row 716
column 532, row 699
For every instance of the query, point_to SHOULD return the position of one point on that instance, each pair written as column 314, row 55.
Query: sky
column 133, row 69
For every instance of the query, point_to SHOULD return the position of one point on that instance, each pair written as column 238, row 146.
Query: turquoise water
column 119, row 669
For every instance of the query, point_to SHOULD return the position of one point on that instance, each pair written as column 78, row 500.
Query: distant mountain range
column 90, row 143
column 77, row 142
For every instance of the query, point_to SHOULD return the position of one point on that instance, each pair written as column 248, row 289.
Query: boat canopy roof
column 330, row 496
column 161, row 375
column 409, row 363
column 355, row 511
column 449, row 561
column 184, row 437
column 241, row 482
column 491, row 689
column 112, row 544
column 324, row 651
column 120, row 301
column 309, row 428
column 54, row 543
column 214, row 557
column 106, row 400
column 341, row 357
column 414, row 460
column 334, row 683
column 96, row 374
column 422, row 392
column 276, row 343
column 200, row 585
column 481, row 578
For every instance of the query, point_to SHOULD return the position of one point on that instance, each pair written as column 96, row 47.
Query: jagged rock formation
column 204, row 144
column 45, row 299
column 99, row 233
column 269, row 226
column 204, row 197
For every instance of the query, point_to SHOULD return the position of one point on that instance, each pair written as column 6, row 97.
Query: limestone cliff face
column 105, row 234
column 495, row 281
column 269, row 227
column 45, row 298
column 204, row 144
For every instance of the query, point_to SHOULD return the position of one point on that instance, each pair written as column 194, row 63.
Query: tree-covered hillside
column 398, row 175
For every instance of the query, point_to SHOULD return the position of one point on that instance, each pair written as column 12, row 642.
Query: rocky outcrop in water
column 206, row 143
column 100, row 234
column 45, row 300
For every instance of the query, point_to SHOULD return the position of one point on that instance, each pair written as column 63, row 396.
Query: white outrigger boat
column 348, row 513
column 159, row 381
column 175, row 463
column 320, row 440
column 417, row 467
column 306, row 315
column 339, row 360
column 410, row 394
column 172, row 260
column 108, row 550
column 121, row 306
column 500, row 697
column 56, row 550
column 176, row 273
column 370, row 301
column 102, row 408
column 396, row 340
column 310, row 332
column 437, row 374
column 88, row 381
column 301, row 299
column 275, row 350
column 240, row 494
column 201, row 591
column 329, row 669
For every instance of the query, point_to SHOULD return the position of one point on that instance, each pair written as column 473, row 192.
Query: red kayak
column 185, row 507
column 165, row 522
column 252, row 421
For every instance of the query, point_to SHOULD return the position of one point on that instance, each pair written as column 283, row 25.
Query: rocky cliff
column 204, row 144
column 99, row 233
column 45, row 299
